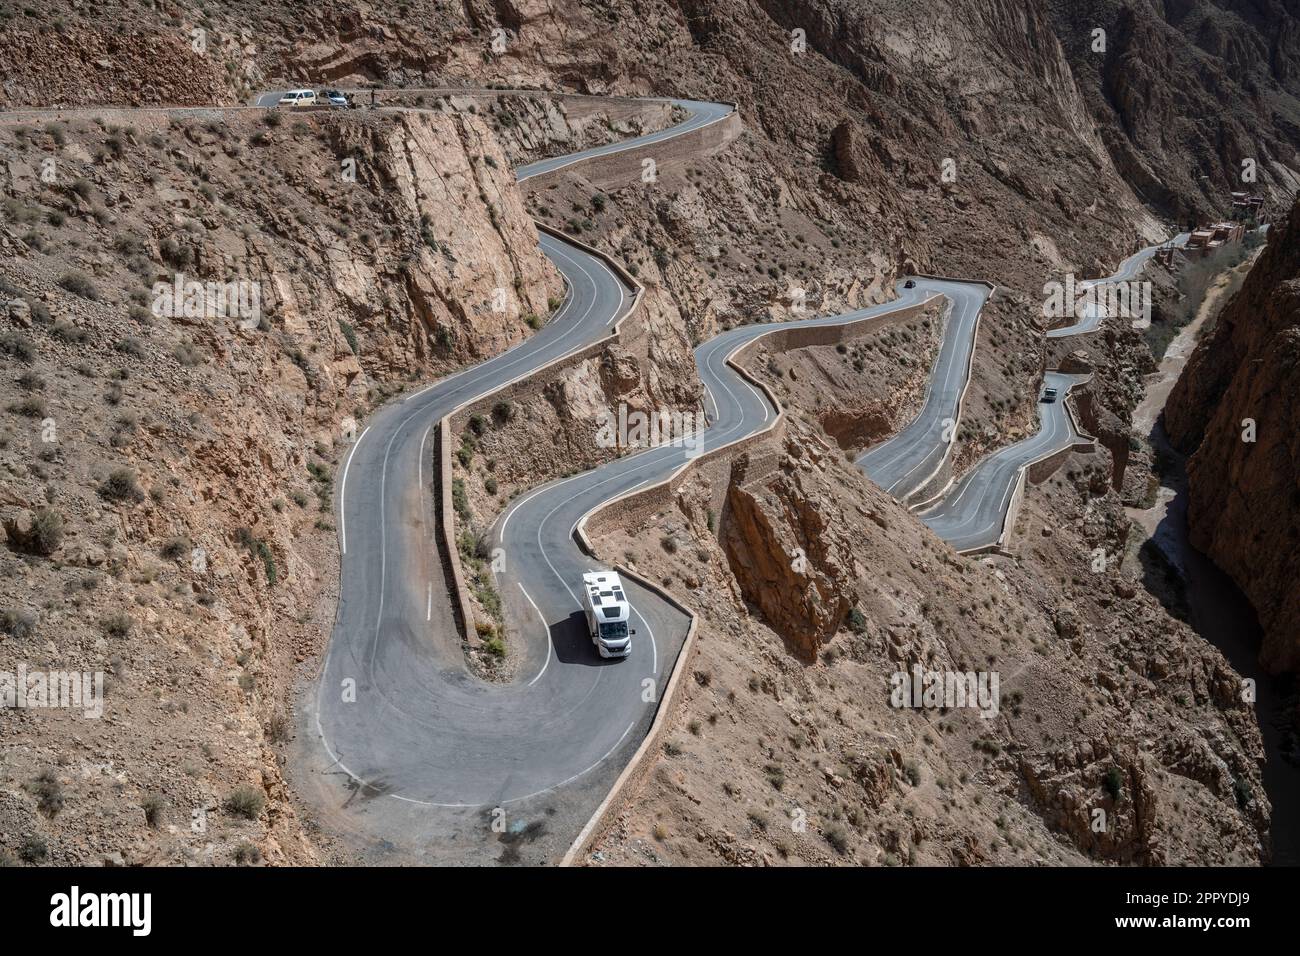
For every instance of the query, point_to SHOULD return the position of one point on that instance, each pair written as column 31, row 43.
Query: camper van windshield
column 614, row 632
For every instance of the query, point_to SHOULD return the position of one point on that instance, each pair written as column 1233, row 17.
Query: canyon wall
column 1234, row 413
column 1184, row 93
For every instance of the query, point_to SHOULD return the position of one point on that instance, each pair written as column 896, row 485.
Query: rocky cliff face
column 1183, row 93
column 1233, row 413
column 166, row 479
column 790, row 563
column 470, row 291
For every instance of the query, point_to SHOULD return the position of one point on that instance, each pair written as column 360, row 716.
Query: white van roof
column 605, row 592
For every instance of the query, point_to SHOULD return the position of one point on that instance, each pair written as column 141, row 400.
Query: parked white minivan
column 298, row 98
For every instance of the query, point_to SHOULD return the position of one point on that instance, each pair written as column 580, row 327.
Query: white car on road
column 298, row 98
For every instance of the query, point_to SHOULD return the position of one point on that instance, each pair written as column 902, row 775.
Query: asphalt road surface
column 1093, row 315
column 700, row 114
column 420, row 725
column 902, row 465
column 395, row 708
column 970, row 516
column 537, row 531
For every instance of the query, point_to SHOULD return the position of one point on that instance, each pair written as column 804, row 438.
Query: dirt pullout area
column 168, row 468
column 789, row 750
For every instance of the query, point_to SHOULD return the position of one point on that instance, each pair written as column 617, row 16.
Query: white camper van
column 608, row 613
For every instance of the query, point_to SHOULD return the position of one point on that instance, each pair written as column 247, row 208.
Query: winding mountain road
column 420, row 727
column 1093, row 316
column 413, row 724
column 972, row 514
column 698, row 115
column 904, row 463
column 395, row 708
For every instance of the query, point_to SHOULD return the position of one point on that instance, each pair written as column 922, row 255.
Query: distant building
column 1206, row 239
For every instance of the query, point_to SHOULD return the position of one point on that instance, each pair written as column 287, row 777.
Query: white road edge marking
column 343, row 490
column 420, row 464
column 654, row 646
column 546, row 630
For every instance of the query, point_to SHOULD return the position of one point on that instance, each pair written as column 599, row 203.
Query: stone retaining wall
column 462, row 609
column 637, row 508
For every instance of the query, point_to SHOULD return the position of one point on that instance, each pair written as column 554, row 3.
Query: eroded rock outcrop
column 1106, row 703
column 1102, row 800
column 789, row 561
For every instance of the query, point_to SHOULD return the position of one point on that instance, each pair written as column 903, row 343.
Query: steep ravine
column 1209, row 600
column 1233, row 414
column 1222, row 515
